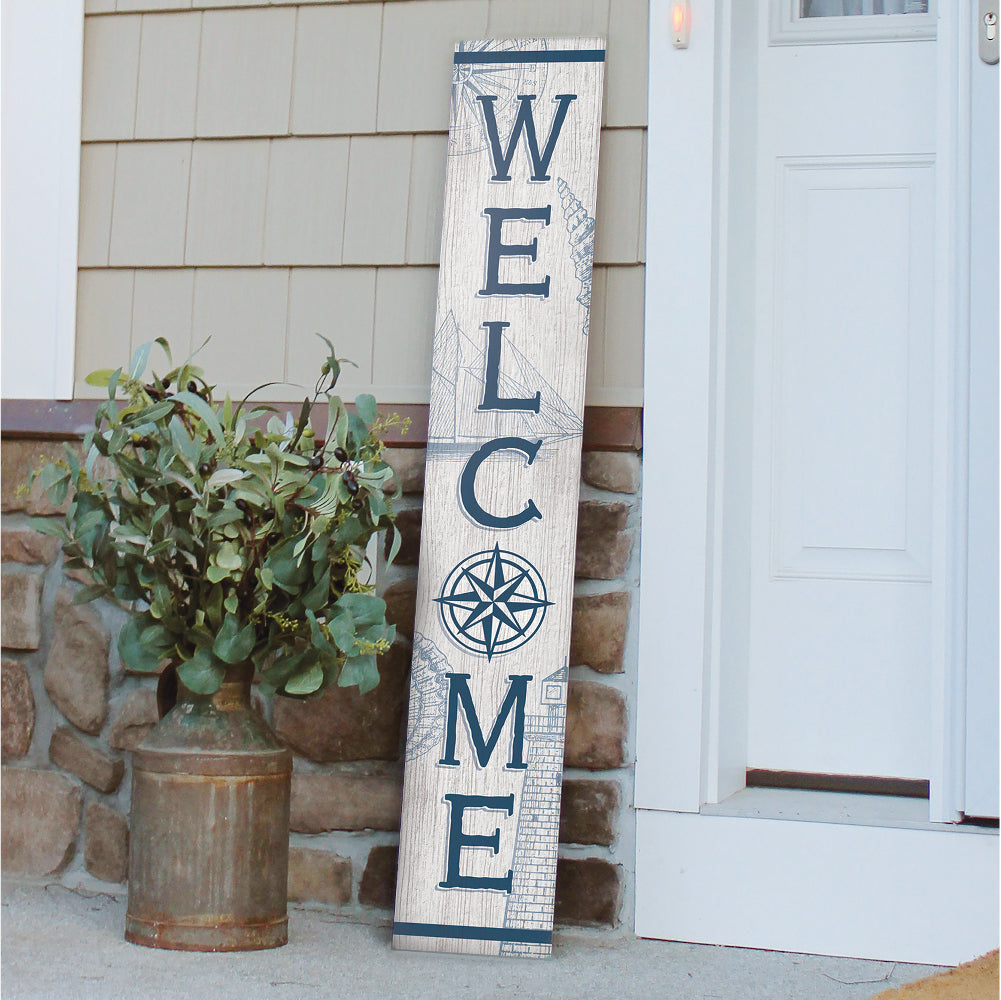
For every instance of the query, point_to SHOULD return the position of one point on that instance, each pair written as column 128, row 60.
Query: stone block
column 17, row 710
column 401, row 605
column 22, row 545
column 378, row 881
column 598, row 631
column 408, row 466
column 596, row 726
column 41, row 816
column 17, row 459
column 318, row 877
column 136, row 717
column 588, row 892
column 76, row 672
column 342, row 724
column 588, row 812
column 603, row 547
column 79, row 576
column 106, row 843
column 616, row 471
column 101, row 771
column 322, row 802
column 21, row 623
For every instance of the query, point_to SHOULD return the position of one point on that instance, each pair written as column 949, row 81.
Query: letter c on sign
column 467, row 483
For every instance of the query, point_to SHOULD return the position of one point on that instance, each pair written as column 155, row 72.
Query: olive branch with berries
column 228, row 533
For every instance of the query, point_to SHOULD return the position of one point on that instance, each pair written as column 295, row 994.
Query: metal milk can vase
column 208, row 849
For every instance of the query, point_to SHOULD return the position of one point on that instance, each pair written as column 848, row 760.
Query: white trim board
column 904, row 895
column 42, row 107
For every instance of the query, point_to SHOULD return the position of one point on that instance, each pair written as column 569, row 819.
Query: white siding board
column 245, row 72
column 103, row 325
column 243, row 311
column 226, row 202
column 375, row 224
column 150, row 208
column 404, row 327
column 427, row 191
column 624, row 296
column 161, row 307
column 530, row 18
column 336, row 66
column 144, row 5
column 168, row 76
column 307, row 184
column 616, row 230
column 339, row 303
column 97, row 186
column 416, row 65
column 626, row 84
column 110, row 74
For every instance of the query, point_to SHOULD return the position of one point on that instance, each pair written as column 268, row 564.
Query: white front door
column 803, row 577
column 843, row 411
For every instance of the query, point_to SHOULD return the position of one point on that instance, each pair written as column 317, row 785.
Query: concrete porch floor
column 68, row 943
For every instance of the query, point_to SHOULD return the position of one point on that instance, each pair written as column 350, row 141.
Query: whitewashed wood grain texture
column 494, row 602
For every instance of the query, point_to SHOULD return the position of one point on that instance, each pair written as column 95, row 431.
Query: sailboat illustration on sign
column 457, row 384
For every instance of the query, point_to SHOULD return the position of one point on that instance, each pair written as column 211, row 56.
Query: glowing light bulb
column 680, row 24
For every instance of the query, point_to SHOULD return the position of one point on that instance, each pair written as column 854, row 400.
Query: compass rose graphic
column 493, row 602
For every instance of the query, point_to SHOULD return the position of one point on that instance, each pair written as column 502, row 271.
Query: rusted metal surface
column 208, row 852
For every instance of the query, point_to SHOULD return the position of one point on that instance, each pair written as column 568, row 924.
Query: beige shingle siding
column 262, row 172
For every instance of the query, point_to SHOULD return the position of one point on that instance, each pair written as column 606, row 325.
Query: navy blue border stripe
column 542, row 55
column 519, row 934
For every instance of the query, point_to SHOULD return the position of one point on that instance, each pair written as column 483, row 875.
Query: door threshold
column 848, row 808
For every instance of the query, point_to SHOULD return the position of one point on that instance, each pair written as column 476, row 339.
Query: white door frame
column 688, row 752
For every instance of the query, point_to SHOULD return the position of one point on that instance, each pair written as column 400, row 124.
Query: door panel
column 851, row 371
column 839, row 661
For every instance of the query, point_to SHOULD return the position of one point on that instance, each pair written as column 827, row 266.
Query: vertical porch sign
column 484, row 757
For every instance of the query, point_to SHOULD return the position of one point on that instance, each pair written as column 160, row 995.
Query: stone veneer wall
column 71, row 714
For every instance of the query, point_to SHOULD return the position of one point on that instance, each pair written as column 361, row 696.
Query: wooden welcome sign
column 484, row 759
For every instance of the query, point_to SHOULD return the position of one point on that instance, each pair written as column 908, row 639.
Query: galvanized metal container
column 208, row 851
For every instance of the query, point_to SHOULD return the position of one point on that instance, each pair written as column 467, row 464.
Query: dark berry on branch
column 274, row 538
column 351, row 483
column 204, row 470
column 145, row 443
column 315, row 461
column 356, row 503
column 340, row 454
column 192, row 387
column 242, row 504
column 166, row 383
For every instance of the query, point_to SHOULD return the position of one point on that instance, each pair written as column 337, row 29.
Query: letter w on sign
column 488, row 690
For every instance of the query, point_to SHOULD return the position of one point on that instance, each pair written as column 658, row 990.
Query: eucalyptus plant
column 229, row 533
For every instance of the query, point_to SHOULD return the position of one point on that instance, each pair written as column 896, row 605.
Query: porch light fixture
column 681, row 22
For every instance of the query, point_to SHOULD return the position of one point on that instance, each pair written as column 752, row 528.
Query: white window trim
column 42, row 108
